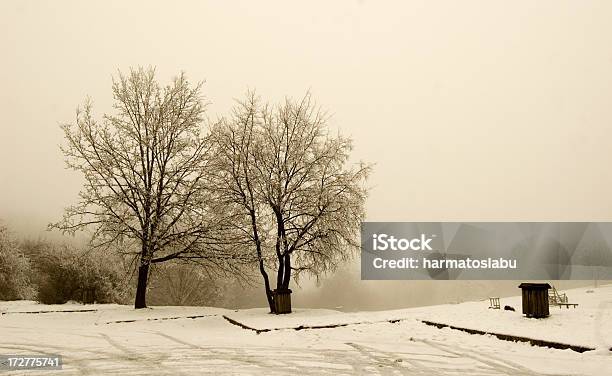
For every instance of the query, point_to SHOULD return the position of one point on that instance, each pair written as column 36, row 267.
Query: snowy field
column 114, row 339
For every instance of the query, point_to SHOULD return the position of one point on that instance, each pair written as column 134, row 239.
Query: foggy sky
column 471, row 110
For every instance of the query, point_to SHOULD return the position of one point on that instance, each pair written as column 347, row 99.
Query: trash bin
column 282, row 301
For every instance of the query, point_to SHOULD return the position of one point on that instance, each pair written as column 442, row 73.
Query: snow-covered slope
column 589, row 324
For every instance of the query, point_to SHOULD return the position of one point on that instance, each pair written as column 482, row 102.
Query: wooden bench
column 567, row 305
column 494, row 303
column 556, row 298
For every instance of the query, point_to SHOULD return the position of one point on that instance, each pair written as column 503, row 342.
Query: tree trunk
column 277, row 247
column 262, row 268
column 284, row 263
column 279, row 272
column 141, row 288
column 287, row 274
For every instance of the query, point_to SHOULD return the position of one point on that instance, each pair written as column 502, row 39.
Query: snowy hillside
column 107, row 339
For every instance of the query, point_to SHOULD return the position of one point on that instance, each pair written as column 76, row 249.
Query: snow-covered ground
column 116, row 339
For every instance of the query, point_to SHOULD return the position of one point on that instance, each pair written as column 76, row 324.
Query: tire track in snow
column 177, row 340
column 485, row 363
column 144, row 359
column 250, row 357
column 385, row 361
column 495, row 363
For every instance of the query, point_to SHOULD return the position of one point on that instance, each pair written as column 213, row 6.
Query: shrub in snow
column 14, row 270
column 65, row 274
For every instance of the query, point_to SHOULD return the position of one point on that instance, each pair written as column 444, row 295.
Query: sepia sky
column 471, row 110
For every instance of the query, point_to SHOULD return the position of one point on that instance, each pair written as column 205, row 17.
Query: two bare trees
column 267, row 186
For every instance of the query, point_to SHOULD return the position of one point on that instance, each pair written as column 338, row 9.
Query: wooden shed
column 535, row 299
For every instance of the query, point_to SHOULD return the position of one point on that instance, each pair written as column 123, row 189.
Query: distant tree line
column 267, row 189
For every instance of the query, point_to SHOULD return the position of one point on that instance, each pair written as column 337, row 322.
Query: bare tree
column 236, row 143
column 292, row 179
column 145, row 170
column 317, row 201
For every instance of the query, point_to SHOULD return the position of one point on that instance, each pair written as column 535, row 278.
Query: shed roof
column 534, row 286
